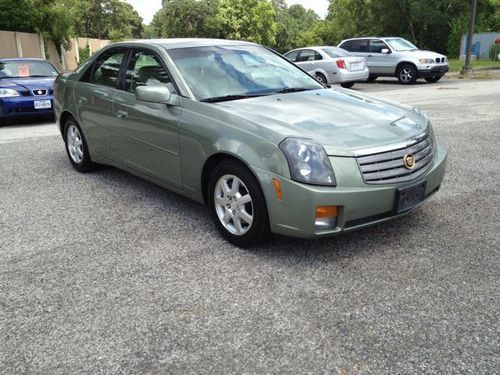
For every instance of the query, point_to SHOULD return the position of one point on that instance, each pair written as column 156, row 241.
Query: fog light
column 326, row 217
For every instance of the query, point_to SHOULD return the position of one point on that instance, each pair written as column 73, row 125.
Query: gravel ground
column 105, row 273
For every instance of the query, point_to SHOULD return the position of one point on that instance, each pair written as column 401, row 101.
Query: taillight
column 341, row 63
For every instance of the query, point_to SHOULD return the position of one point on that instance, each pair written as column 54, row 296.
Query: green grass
column 456, row 64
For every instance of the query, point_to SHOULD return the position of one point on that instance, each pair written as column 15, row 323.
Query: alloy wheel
column 233, row 204
column 74, row 143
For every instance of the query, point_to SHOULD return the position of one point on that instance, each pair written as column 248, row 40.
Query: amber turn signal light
column 327, row 211
column 277, row 187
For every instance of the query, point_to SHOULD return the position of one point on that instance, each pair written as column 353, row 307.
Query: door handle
column 122, row 114
column 369, row 56
column 82, row 100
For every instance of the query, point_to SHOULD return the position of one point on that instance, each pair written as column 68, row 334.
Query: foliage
column 84, row 54
column 494, row 52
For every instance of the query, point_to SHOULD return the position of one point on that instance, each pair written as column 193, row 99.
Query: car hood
column 345, row 122
column 423, row 54
column 27, row 83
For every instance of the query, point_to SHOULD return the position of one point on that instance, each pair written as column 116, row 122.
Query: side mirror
column 153, row 94
column 385, row 51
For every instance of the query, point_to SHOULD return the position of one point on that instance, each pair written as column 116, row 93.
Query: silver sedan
column 331, row 64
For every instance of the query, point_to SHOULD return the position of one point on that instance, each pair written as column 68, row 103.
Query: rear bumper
column 440, row 70
column 360, row 204
column 346, row 76
column 22, row 106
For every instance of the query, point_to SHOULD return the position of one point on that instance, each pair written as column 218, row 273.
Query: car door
column 306, row 60
column 378, row 62
column 359, row 47
column 148, row 133
column 94, row 96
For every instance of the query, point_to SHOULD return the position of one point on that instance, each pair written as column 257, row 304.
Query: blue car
column 26, row 88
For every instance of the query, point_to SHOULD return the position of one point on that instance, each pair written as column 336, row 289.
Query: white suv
column 397, row 57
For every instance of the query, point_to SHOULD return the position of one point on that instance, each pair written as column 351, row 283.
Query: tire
column 433, row 79
column 407, row 74
column 347, row 85
column 76, row 147
column 320, row 77
column 240, row 215
column 371, row 78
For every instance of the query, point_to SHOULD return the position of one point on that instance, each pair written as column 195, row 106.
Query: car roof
column 373, row 37
column 313, row 48
column 13, row 59
column 184, row 42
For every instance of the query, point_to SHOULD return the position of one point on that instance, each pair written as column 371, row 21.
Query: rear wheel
column 407, row 74
column 76, row 147
column 237, row 204
column 433, row 79
column 347, row 85
column 320, row 77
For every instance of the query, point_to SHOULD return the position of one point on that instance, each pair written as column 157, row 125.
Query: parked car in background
column 26, row 88
column 242, row 129
column 397, row 57
column 330, row 65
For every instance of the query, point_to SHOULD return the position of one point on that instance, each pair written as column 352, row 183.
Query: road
column 104, row 273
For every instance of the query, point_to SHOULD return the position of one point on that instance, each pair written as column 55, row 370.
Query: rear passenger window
column 292, row 55
column 146, row 69
column 360, row 45
column 308, row 55
column 107, row 68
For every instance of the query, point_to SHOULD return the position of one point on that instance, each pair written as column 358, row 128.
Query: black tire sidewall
column 320, row 77
column 86, row 164
column 260, row 226
column 347, row 85
column 414, row 74
column 433, row 79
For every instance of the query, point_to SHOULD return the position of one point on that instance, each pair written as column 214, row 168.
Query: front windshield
column 26, row 69
column 225, row 71
column 336, row 52
column 399, row 44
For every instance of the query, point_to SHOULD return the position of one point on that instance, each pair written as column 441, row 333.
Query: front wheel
column 433, row 79
column 407, row 74
column 237, row 204
column 76, row 147
column 347, row 85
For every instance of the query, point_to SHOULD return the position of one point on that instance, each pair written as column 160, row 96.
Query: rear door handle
column 122, row 114
column 82, row 100
column 369, row 56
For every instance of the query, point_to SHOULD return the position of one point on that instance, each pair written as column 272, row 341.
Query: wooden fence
column 18, row 44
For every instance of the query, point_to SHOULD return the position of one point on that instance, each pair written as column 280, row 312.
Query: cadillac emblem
column 409, row 161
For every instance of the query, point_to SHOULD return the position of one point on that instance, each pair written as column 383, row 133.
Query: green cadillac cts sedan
column 243, row 130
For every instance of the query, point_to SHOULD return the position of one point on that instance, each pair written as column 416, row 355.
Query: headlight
column 7, row 93
column 425, row 61
column 308, row 162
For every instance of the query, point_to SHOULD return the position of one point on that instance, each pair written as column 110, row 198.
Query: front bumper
column 432, row 71
column 21, row 106
column 360, row 204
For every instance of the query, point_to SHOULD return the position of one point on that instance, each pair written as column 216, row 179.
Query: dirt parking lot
column 106, row 273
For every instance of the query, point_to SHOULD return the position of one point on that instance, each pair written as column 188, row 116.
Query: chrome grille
column 389, row 167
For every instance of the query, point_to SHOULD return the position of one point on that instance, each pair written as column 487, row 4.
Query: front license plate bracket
column 410, row 197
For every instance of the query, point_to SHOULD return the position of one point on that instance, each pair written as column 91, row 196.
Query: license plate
column 356, row 66
column 42, row 104
column 410, row 197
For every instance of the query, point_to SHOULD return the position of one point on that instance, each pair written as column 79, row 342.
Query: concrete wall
column 481, row 43
column 17, row 44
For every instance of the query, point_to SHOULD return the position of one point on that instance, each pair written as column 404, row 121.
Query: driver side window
column 146, row 69
column 376, row 46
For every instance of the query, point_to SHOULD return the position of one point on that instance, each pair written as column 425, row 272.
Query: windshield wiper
column 286, row 90
column 227, row 98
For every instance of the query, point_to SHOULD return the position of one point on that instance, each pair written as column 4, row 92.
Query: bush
column 494, row 51
column 84, row 54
